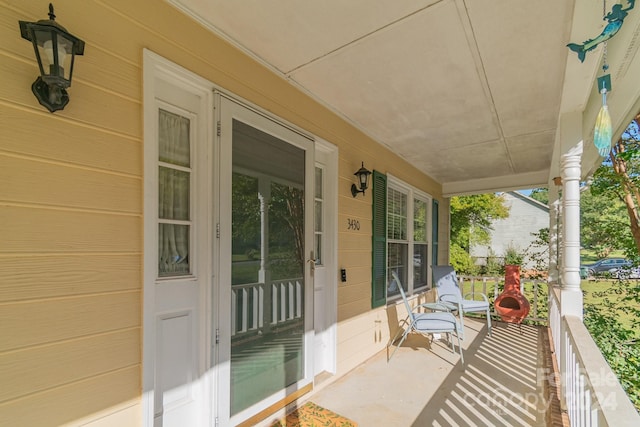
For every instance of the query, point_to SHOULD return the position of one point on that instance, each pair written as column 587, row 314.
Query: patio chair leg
column 489, row 321
column 460, row 349
column 450, row 340
column 404, row 336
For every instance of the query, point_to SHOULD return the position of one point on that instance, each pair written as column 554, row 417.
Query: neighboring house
column 180, row 245
column 526, row 216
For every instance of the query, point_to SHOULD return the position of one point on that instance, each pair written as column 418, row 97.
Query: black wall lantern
column 56, row 50
column 363, row 180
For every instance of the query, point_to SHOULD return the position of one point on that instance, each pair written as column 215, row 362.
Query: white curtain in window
column 173, row 194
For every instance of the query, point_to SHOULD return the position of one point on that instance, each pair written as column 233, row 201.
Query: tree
column 617, row 340
column 619, row 178
column 541, row 195
column 613, row 193
column 604, row 224
column 471, row 219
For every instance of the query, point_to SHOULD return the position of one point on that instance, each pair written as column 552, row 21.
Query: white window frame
column 412, row 194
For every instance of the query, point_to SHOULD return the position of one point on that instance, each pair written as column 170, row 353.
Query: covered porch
column 444, row 97
column 503, row 382
column 520, row 375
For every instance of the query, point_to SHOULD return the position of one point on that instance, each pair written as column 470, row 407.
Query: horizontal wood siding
column 83, row 146
column 67, row 185
column 75, row 403
column 46, row 321
column 71, row 231
column 74, row 360
column 39, row 276
column 71, row 207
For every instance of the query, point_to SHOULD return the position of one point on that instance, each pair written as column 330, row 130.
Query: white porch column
column 264, row 275
column 554, row 235
column 571, row 296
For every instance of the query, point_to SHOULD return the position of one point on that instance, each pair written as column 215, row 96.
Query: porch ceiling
column 468, row 91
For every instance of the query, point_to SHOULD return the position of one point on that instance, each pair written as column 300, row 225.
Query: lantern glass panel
column 363, row 180
column 56, row 54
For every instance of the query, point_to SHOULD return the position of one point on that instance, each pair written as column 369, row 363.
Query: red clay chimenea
column 511, row 305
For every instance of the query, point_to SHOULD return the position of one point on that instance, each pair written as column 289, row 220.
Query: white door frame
column 327, row 155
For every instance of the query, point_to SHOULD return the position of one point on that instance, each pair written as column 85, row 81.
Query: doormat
column 312, row 415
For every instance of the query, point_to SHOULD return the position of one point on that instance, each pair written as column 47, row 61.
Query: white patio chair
column 442, row 321
column 449, row 293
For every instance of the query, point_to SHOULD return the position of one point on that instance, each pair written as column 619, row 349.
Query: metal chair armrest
column 452, row 304
column 435, row 306
column 484, row 297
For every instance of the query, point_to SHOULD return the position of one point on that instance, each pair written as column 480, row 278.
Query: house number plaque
column 353, row 224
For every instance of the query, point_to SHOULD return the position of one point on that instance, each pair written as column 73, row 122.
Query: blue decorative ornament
column 615, row 18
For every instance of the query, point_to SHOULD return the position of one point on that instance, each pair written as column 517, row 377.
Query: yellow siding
column 81, row 146
column 74, row 360
column 71, row 208
column 68, row 186
column 33, row 229
column 37, row 322
column 75, row 403
column 46, row 276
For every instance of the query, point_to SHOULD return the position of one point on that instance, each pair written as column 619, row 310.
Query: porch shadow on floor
column 424, row 384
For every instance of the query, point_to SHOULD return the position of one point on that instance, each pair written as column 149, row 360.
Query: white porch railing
column 592, row 394
column 249, row 312
column 493, row 286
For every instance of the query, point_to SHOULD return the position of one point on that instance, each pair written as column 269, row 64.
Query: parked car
column 608, row 265
column 627, row 273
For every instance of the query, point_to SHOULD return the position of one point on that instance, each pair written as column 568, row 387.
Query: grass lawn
column 591, row 290
column 589, row 257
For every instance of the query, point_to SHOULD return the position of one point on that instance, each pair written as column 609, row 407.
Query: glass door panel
column 267, row 266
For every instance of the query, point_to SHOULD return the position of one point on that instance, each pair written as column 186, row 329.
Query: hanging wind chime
column 603, row 132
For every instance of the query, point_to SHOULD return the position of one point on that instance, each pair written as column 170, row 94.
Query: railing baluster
column 298, row 299
column 535, row 299
column 234, row 310
column 254, row 307
column 261, row 305
column 290, row 299
column 248, row 304
column 274, row 303
column 283, row 302
column 245, row 310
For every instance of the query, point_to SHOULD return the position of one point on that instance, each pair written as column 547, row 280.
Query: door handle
column 312, row 262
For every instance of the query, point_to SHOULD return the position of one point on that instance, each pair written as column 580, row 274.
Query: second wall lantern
column 55, row 51
column 363, row 181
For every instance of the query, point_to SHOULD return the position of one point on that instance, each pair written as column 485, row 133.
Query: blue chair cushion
column 435, row 322
column 472, row 305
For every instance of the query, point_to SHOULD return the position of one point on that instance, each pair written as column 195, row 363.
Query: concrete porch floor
column 424, row 384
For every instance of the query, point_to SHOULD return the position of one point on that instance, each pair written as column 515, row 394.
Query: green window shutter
column 379, row 241
column 434, row 234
